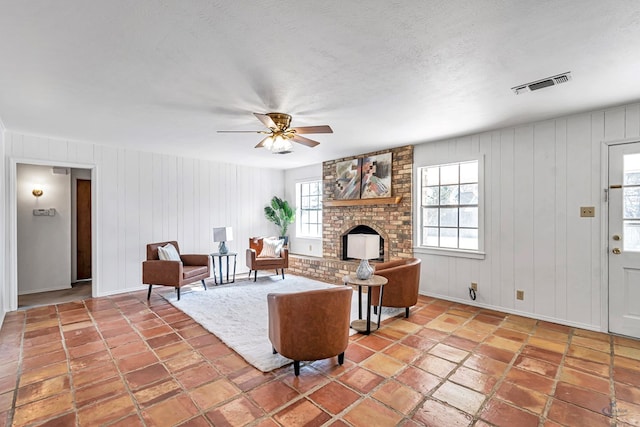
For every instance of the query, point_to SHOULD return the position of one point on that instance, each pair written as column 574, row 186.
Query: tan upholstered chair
column 310, row 325
column 403, row 277
column 256, row 263
column 189, row 269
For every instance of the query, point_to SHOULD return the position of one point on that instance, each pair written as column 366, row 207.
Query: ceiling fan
column 280, row 135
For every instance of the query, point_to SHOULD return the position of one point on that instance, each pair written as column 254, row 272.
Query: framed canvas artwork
column 376, row 176
column 347, row 185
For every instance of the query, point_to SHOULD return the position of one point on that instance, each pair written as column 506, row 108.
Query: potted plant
column 280, row 213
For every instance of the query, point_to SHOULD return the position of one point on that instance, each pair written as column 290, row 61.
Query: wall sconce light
column 37, row 190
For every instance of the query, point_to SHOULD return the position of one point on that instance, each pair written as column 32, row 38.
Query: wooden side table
column 361, row 325
column 220, row 256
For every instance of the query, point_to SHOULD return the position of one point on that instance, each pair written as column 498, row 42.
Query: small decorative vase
column 223, row 248
column 364, row 270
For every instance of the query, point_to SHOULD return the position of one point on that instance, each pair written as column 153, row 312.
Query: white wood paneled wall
column 147, row 197
column 536, row 178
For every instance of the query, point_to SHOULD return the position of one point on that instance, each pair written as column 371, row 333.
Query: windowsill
column 309, row 238
column 460, row 253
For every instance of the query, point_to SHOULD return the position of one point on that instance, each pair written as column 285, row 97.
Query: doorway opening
column 53, row 235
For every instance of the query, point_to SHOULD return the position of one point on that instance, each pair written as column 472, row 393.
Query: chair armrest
column 251, row 257
column 195, row 260
column 284, row 254
column 159, row 272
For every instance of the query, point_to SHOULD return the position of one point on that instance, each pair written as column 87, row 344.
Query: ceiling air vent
column 541, row 84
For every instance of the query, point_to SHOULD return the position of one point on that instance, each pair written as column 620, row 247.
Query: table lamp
column 363, row 247
column 222, row 235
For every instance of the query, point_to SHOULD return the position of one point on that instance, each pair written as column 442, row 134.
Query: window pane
column 631, row 236
column 449, row 194
column 425, row 193
column 448, row 237
column 431, row 176
column 631, row 203
column 631, row 169
column 469, row 172
column 305, row 203
column 449, row 217
column 314, row 189
column 432, row 196
column 430, row 236
column 305, row 189
column 314, row 202
column 430, row 217
column 469, row 217
column 468, row 238
column 469, row 194
column 449, row 174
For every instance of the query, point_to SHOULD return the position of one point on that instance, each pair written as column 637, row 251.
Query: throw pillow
column 271, row 248
column 168, row 252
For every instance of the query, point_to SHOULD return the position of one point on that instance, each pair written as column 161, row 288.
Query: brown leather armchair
column 256, row 263
column 401, row 290
column 190, row 269
column 310, row 325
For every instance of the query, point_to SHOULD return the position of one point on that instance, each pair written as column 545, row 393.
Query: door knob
column 616, row 237
column 616, row 251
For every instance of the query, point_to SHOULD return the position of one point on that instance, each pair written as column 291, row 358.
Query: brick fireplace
column 393, row 221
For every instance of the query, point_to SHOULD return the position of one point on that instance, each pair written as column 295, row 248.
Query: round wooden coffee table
column 361, row 325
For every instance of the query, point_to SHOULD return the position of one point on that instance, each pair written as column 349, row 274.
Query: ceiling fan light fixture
column 279, row 145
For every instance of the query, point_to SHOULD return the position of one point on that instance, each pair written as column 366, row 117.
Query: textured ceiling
column 165, row 75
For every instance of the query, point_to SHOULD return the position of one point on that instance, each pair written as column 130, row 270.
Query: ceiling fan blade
column 266, row 120
column 313, row 129
column 305, row 141
column 261, row 143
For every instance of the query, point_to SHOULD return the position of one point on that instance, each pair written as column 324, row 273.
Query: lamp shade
column 222, row 234
column 363, row 246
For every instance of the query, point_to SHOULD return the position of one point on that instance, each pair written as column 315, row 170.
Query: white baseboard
column 596, row 328
column 123, row 291
column 35, row 291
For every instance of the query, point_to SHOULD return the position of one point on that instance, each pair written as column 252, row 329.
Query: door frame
column 604, row 226
column 11, row 289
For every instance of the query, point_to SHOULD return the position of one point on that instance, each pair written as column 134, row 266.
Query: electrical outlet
column 520, row 295
column 474, row 286
column 587, row 211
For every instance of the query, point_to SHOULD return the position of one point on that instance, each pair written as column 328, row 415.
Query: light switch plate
column 587, row 211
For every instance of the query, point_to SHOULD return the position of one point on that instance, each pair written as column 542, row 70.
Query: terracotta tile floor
column 121, row 361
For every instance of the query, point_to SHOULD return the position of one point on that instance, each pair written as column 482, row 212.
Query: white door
column 624, row 239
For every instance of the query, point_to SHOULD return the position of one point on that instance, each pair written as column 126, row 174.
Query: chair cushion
column 192, row 271
column 271, row 248
column 168, row 253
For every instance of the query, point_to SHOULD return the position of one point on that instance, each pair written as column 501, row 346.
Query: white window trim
column 460, row 253
column 299, row 209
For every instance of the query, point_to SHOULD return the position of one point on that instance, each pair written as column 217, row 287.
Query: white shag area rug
column 237, row 314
